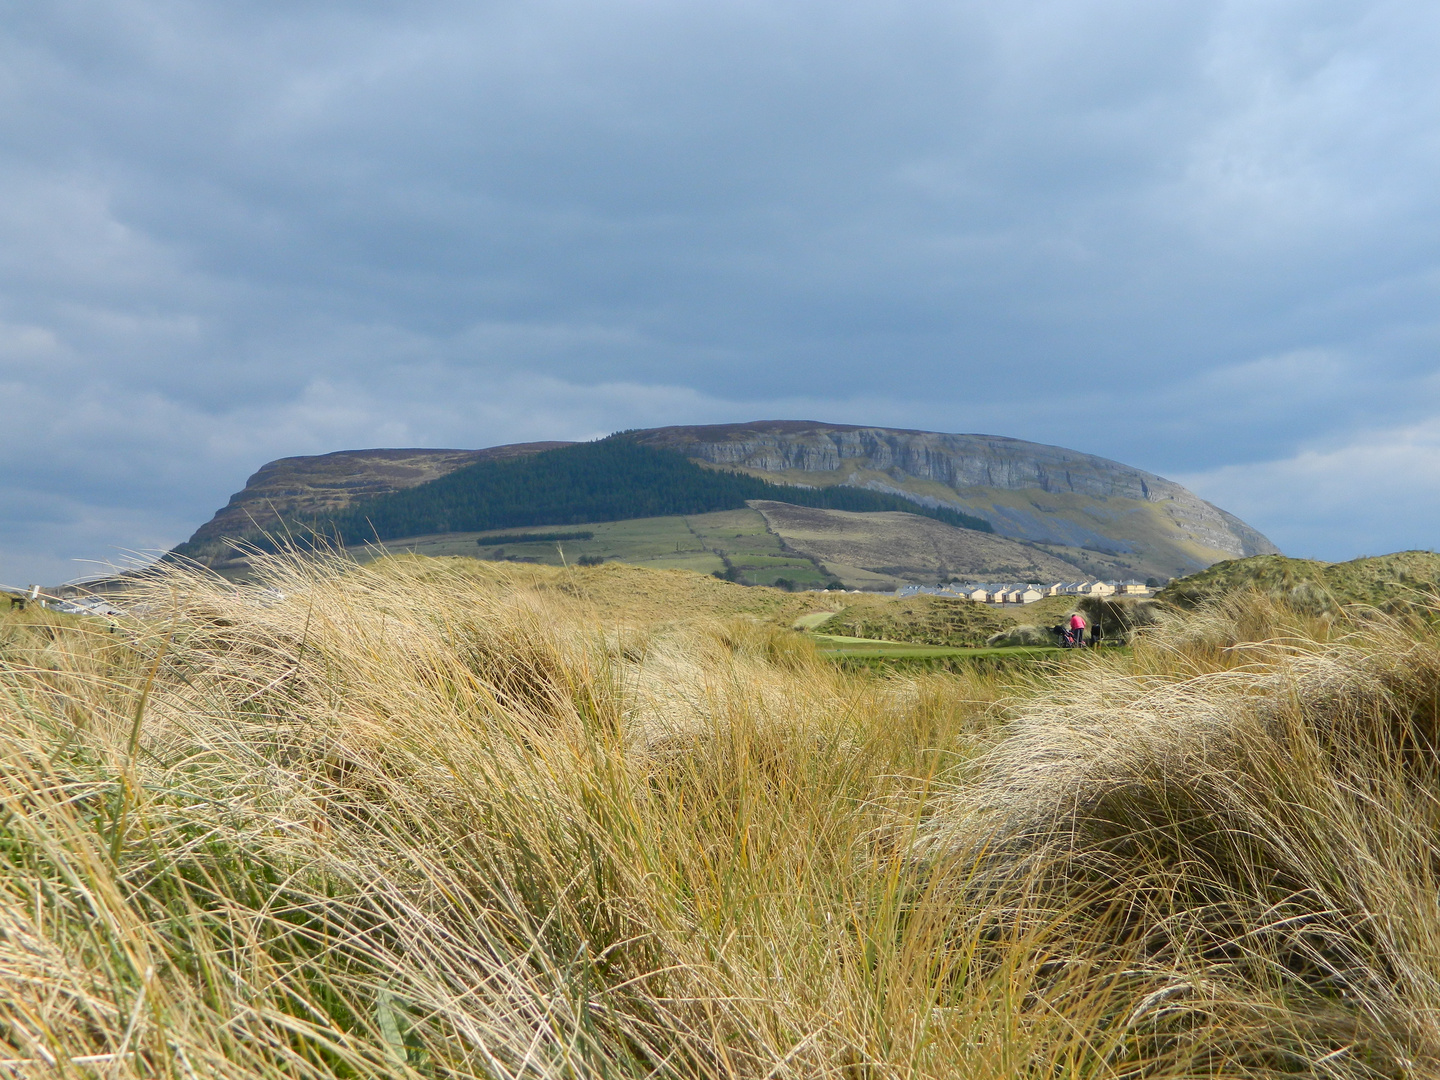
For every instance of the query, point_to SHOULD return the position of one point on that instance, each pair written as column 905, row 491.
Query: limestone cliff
column 1129, row 520
column 308, row 486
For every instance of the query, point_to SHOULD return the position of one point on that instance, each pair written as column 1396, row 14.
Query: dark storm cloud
column 1198, row 238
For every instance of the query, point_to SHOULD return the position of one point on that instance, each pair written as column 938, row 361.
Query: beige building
column 1017, row 594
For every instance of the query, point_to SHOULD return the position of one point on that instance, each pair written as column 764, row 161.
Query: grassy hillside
column 735, row 544
column 1113, row 537
column 1125, row 521
column 900, row 548
column 1391, row 582
column 453, row 818
column 802, row 547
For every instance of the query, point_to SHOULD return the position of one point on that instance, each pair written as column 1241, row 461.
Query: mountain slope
column 611, row 479
column 1135, row 521
column 891, row 549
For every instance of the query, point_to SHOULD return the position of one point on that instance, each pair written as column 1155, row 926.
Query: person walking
column 1077, row 630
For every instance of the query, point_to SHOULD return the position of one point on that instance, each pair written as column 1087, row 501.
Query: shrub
column 1118, row 617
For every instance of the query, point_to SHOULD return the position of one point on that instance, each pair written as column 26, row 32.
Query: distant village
column 1013, row 593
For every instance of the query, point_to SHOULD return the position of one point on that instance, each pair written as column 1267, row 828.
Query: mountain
column 1101, row 517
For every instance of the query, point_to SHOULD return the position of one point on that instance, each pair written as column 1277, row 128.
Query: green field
column 873, row 648
column 733, row 543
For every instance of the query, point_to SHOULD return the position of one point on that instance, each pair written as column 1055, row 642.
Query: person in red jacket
column 1077, row 630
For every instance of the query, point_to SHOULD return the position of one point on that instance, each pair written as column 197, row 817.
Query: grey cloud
column 1190, row 237
column 1378, row 492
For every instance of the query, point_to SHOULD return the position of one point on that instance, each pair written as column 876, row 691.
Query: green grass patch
column 838, row 645
column 1403, row 581
column 922, row 620
column 731, row 543
column 869, row 654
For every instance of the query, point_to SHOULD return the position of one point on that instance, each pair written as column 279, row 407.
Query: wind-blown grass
column 392, row 820
column 1253, row 812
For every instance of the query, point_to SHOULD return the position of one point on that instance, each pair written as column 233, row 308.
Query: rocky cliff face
column 306, row 486
column 1031, row 491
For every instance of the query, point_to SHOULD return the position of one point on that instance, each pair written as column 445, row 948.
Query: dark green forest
column 609, row 480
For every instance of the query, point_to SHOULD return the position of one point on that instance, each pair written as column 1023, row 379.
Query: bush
column 1118, row 617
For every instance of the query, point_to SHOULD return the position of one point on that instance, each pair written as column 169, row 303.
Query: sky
column 1202, row 239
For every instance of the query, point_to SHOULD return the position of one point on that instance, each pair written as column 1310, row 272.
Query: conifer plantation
column 613, row 479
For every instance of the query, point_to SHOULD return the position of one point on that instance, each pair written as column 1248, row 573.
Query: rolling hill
column 1390, row 582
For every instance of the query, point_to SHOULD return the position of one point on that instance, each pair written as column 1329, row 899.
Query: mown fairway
column 834, row 645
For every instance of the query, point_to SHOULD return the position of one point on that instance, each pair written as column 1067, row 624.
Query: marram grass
column 404, row 820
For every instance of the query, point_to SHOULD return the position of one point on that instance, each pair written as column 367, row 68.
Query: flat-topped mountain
column 1100, row 517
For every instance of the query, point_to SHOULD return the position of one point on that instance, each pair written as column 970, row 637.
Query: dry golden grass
column 414, row 819
column 1249, row 813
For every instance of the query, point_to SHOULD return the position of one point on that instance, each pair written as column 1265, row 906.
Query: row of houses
column 1098, row 588
column 1027, row 592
